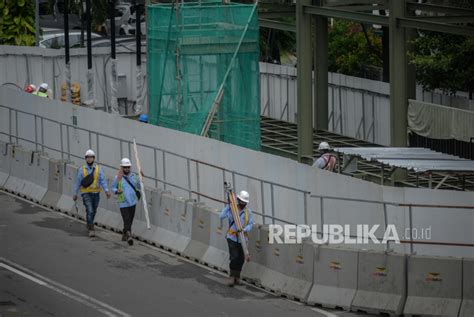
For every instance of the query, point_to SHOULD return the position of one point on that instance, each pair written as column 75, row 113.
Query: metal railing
column 65, row 151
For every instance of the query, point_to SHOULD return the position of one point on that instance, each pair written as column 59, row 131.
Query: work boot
column 129, row 238
column 237, row 281
column 124, row 236
column 91, row 231
column 231, row 282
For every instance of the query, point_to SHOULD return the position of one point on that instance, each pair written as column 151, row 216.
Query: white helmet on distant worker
column 44, row 86
column 323, row 146
column 125, row 162
column 89, row 153
column 243, row 196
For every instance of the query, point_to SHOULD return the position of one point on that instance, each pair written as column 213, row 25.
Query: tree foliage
column 445, row 61
column 353, row 49
column 17, row 22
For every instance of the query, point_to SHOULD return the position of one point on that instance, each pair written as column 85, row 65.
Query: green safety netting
column 195, row 50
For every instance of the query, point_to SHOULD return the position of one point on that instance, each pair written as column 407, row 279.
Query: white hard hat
column 89, row 153
column 323, row 146
column 125, row 162
column 44, row 86
column 243, row 196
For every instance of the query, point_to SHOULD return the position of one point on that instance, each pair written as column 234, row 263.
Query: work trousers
column 237, row 258
column 128, row 213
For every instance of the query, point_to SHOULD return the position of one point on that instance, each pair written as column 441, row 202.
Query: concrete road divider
column 55, row 183
column 174, row 222
column 200, row 233
column 65, row 202
column 381, row 286
column 335, row 277
column 467, row 307
column 253, row 270
column 434, row 286
column 40, row 176
column 16, row 182
column 217, row 254
column 289, row 269
column 5, row 160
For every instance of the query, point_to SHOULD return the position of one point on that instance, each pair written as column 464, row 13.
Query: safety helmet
column 243, row 196
column 143, row 118
column 30, row 89
column 323, row 146
column 44, row 86
column 125, row 162
column 89, row 153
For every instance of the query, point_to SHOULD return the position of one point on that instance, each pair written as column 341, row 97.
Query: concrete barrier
column 200, row 233
column 289, row 269
column 381, row 286
column 434, row 286
column 40, row 176
column 258, row 239
column 335, row 277
column 139, row 227
column 5, row 160
column 217, row 254
column 174, row 222
column 16, row 180
column 31, row 175
column 467, row 307
column 65, row 202
column 55, row 183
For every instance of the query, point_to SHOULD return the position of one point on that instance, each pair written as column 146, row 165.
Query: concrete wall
column 33, row 65
column 278, row 187
column 358, row 107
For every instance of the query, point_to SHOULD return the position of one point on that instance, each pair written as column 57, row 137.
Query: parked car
column 56, row 39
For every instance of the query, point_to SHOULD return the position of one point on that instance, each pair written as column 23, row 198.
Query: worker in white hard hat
column 89, row 182
column 236, row 253
column 126, row 186
column 42, row 91
column 327, row 160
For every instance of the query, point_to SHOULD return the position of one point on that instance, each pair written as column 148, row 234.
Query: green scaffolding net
column 203, row 72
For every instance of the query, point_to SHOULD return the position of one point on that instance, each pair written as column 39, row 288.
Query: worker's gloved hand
column 108, row 194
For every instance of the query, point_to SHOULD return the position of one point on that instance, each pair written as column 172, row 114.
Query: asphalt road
column 50, row 267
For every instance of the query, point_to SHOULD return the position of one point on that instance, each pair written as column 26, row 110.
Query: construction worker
column 42, row 91
column 126, row 186
column 90, row 181
column 236, row 253
column 327, row 160
column 143, row 118
column 30, row 88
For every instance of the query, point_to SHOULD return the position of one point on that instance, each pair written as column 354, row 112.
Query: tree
column 444, row 61
column 353, row 48
column 17, row 22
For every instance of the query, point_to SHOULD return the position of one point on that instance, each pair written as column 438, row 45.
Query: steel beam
column 398, row 76
column 304, row 82
column 276, row 25
column 437, row 27
column 438, row 8
column 321, row 72
column 348, row 15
